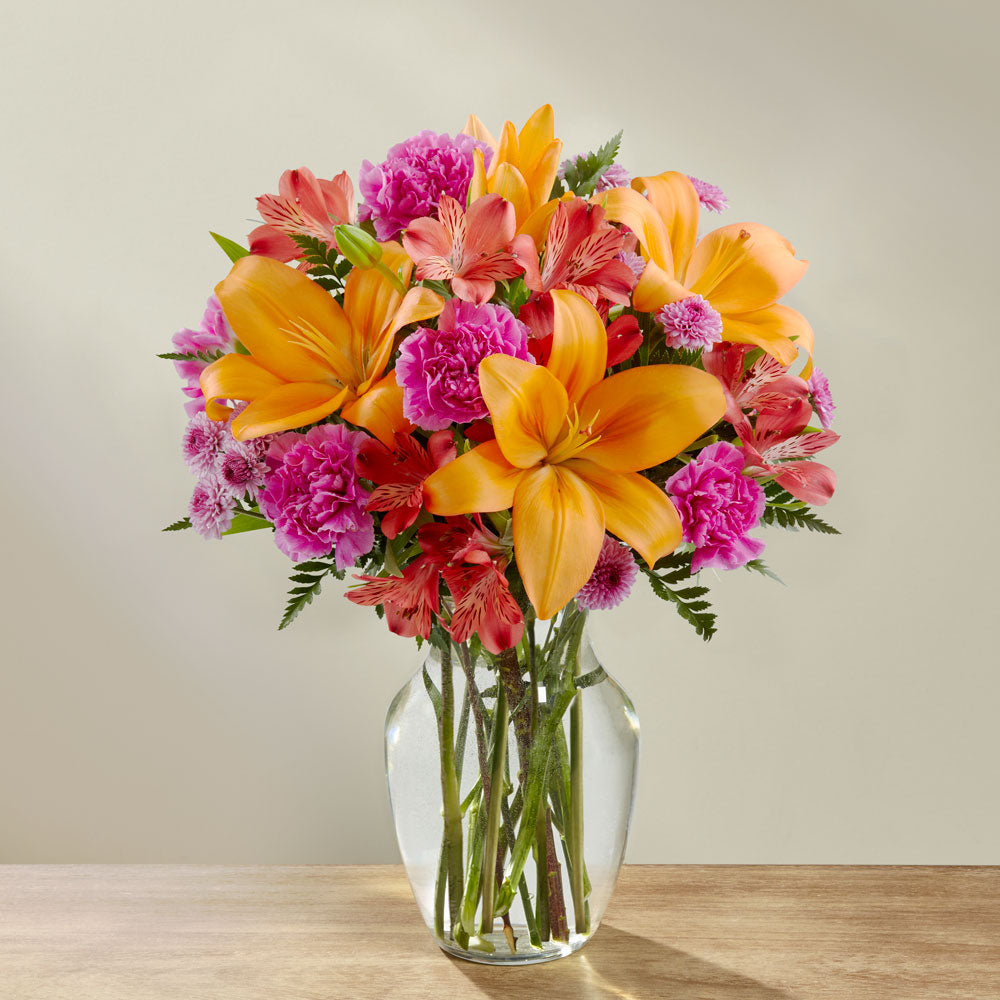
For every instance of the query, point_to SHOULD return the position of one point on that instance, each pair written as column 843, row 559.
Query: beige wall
column 149, row 711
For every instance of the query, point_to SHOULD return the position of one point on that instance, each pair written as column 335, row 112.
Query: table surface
column 193, row 932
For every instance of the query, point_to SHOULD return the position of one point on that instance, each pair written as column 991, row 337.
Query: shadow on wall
column 618, row 964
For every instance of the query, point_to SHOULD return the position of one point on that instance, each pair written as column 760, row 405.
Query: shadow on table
column 618, row 964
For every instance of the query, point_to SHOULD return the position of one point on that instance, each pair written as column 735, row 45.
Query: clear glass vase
column 498, row 763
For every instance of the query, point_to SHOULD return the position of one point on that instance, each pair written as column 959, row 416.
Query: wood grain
column 326, row 933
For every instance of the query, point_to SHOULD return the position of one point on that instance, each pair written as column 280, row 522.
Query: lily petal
column 645, row 416
column 558, row 533
column 380, row 410
column 743, row 267
column 509, row 183
column 579, row 355
column 628, row 207
column 287, row 407
column 528, row 405
column 234, row 376
column 771, row 329
column 635, row 509
column 479, row 481
column 271, row 308
column 536, row 134
column 478, row 130
column 478, row 186
column 676, row 202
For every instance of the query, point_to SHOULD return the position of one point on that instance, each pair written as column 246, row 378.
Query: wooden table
column 326, row 933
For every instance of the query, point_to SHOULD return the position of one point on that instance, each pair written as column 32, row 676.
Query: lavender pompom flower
column 822, row 399
column 213, row 334
column 690, row 323
column 710, row 195
column 439, row 369
column 203, row 443
column 211, row 507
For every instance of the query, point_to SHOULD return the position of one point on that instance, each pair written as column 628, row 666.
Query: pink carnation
column 203, row 444
column 612, row 579
column 211, row 508
column 718, row 505
column 314, row 497
column 439, row 369
column 822, row 399
column 409, row 182
column 214, row 334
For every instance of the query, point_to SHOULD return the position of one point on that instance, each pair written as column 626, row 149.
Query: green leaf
column 594, row 677
column 783, row 510
column 759, row 566
column 582, row 174
column 247, row 522
column 323, row 258
column 694, row 612
column 207, row 356
column 179, row 525
column 231, row 249
column 310, row 575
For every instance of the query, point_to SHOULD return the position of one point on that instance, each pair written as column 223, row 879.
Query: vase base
column 526, row 954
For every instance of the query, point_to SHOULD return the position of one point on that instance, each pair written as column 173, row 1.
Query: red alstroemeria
column 471, row 560
column 469, row 248
column 581, row 254
column 410, row 601
column 399, row 473
column 304, row 206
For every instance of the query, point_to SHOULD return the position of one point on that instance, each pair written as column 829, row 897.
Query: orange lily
column 308, row 357
column 523, row 168
column 742, row 270
column 569, row 446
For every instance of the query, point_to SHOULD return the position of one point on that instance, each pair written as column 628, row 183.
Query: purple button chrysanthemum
column 822, row 399
column 612, row 579
column 314, row 496
column 409, row 182
column 718, row 505
column 211, row 507
column 690, row 323
column 439, row 369
column 710, row 195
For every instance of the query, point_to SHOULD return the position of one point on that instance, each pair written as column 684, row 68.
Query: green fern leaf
column 178, row 525
column 582, row 174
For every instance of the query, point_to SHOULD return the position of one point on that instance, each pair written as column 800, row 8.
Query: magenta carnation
column 612, row 579
column 211, row 508
column 314, row 497
column 409, row 182
column 718, row 505
column 213, row 334
column 710, row 195
column 439, row 369
column 690, row 323
column 822, row 399
column 203, row 443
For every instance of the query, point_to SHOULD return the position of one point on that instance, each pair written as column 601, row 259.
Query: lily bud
column 357, row 246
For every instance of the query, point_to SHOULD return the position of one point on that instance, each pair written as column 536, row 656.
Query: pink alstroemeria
column 766, row 382
column 776, row 436
column 581, row 254
column 469, row 248
column 304, row 206
column 780, row 401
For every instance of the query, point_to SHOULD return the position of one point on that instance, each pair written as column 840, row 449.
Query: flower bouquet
column 499, row 390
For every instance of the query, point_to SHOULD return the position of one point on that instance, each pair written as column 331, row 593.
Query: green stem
column 500, row 721
column 449, row 790
column 535, row 785
column 392, row 276
column 575, row 824
column 542, row 879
